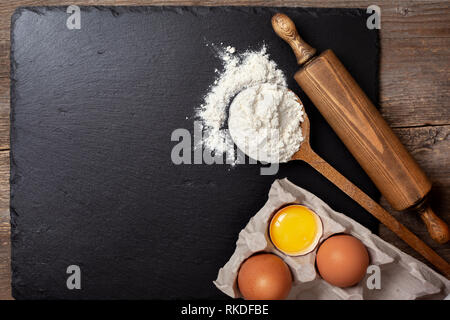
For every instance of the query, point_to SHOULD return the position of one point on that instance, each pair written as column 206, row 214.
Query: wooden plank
column 5, row 247
column 4, row 114
column 4, row 58
column 430, row 146
column 413, row 19
column 415, row 82
column 400, row 19
column 4, row 181
column 5, row 253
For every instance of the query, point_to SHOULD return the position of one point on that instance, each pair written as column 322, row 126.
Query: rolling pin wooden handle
column 375, row 209
column 437, row 228
column 285, row 29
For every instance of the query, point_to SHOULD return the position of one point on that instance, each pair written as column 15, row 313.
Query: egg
column 264, row 277
column 295, row 230
column 342, row 260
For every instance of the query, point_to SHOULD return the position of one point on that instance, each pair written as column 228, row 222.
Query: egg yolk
column 293, row 229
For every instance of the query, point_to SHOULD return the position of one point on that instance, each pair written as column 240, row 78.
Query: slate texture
column 92, row 113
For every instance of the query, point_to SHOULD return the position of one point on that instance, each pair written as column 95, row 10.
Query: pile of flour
column 250, row 69
column 264, row 122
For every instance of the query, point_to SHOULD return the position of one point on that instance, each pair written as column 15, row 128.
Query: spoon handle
column 315, row 161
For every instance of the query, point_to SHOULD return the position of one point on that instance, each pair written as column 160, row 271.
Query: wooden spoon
column 306, row 154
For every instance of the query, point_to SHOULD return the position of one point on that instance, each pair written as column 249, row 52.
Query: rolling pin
column 361, row 127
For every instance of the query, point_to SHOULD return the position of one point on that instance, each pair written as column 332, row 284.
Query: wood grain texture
column 415, row 82
column 362, row 129
column 5, row 248
column 314, row 160
column 415, row 42
column 430, row 146
column 287, row 31
column 4, row 114
column 437, row 228
column 369, row 138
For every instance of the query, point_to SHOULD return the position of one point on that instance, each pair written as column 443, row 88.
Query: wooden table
column 414, row 95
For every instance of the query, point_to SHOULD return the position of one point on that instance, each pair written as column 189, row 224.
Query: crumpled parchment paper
column 402, row 276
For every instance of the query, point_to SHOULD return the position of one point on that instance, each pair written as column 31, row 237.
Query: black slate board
column 92, row 112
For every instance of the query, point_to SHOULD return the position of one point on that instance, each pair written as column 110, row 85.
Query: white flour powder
column 241, row 71
column 264, row 122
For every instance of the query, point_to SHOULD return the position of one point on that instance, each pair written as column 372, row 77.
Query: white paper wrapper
column 402, row 276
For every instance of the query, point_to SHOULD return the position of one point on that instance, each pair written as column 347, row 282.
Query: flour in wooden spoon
column 264, row 122
column 240, row 71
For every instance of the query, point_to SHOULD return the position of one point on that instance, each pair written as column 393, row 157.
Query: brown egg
column 264, row 277
column 342, row 260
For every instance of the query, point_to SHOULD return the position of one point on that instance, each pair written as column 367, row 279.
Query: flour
column 264, row 122
column 241, row 71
